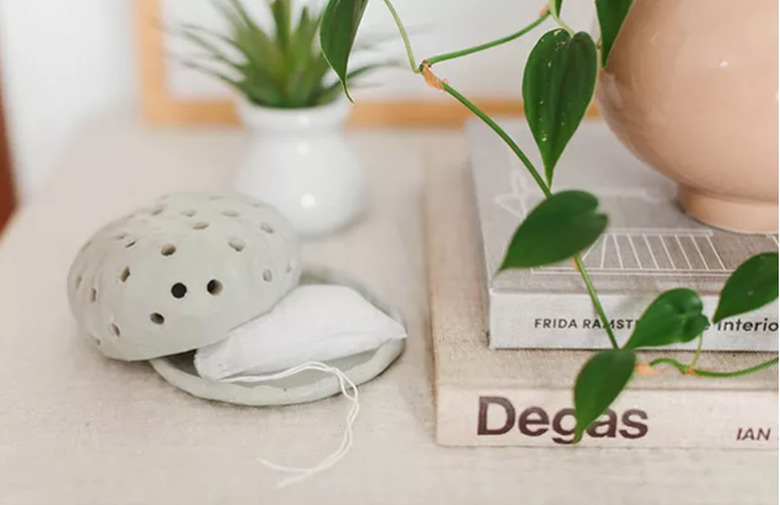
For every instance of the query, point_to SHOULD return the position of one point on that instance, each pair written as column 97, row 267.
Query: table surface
column 76, row 428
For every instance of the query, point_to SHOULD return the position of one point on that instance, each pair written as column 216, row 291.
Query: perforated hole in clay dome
column 178, row 290
column 237, row 244
column 214, row 287
column 157, row 318
column 168, row 249
column 200, row 225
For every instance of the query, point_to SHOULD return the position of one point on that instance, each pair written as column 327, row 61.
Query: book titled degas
column 497, row 415
column 639, row 419
column 650, row 246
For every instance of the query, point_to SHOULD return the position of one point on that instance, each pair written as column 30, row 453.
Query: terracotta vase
column 691, row 88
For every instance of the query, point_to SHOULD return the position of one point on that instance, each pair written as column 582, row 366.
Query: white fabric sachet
column 315, row 322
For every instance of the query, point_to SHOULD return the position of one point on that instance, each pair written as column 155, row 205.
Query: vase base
column 739, row 216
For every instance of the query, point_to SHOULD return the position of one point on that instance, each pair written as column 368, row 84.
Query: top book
column 650, row 246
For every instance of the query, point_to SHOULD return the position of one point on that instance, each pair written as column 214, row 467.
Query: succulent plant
column 282, row 68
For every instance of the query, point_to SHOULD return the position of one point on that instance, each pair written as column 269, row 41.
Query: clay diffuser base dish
column 308, row 386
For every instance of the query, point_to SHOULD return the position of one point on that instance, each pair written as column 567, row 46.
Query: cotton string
column 347, row 439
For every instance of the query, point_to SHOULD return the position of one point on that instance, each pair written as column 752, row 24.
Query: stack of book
column 508, row 346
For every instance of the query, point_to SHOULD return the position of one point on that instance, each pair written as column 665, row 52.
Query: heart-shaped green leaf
column 558, row 228
column 612, row 14
column 751, row 286
column 558, row 84
column 674, row 317
column 599, row 382
column 340, row 22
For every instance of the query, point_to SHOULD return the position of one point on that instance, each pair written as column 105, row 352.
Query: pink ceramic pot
column 691, row 89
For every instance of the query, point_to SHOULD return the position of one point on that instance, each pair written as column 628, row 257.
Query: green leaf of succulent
column 340, row 23
column 280, row 10
column 262, row 85
column 599, row 383
column 302, row 51
column 674, row 317
column 558, row 228
column 228, row 12
column 329, row 93
column 216, row 58
column 204, row 34
column 304, row 88
column 306, row 66
column 751, row 286
column 212, row 72
column 254, row 92
column 612, row 14
column 259, row 91
column 194, row 35
column 558, row 85
column 257, row 46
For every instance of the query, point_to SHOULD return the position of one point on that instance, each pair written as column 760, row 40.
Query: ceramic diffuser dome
column 181, row 274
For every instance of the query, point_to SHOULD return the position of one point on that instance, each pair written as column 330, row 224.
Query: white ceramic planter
column 300, row 163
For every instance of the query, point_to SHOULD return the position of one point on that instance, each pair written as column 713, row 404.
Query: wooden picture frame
column 160, row 106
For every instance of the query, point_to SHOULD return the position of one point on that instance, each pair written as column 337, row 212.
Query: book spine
column 568, row 321
column 640, row 418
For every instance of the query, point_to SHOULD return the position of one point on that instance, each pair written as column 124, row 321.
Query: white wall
column 436, row 26
column 62, row 61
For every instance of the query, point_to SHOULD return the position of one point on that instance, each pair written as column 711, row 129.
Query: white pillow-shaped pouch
column 313, row 323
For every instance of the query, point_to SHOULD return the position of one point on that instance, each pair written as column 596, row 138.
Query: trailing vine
column 558, row 85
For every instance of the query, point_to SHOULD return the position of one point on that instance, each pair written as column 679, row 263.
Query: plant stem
column 594, row 297
column 487, row 45
column 682, row 368
column 543, row 186
column 698, row 352
column 557, row 18
column 405, row 37
column 501, row 133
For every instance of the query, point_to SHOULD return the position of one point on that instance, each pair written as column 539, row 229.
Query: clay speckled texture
column 180, row 273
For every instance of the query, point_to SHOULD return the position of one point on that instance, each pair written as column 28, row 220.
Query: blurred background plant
column 282, row 67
